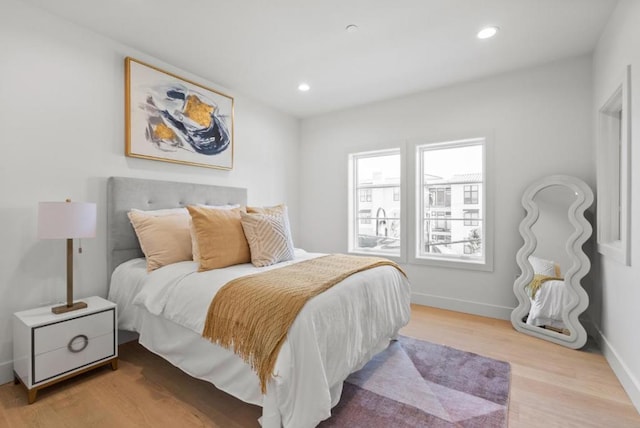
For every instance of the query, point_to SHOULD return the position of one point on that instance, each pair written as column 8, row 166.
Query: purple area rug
column 414, row 383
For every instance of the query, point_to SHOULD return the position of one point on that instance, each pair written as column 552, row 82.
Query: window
column 365, row 195
column 375, row 195
column 471, row 194
column 440, row 196
column 614, row 174
column 451, row 176
column 365, row 217
column 470, row 217
column 441, row 221
column 448, row 223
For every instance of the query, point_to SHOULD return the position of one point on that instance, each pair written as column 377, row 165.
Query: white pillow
column 220, row 207
column 162, row 212
column 542, row 266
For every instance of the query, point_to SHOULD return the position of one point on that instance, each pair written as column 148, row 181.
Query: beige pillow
column 195, row 250
column 164, row 239
column 220, row 237
column 269, row 239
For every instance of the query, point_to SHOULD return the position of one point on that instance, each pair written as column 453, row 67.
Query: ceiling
column 265, row 48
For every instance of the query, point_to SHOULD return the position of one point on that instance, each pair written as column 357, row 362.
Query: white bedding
column 548, row 304
column 336, row 333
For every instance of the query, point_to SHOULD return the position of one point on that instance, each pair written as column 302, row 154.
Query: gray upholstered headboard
column 125, row 193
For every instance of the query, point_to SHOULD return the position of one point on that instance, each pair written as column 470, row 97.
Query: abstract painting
column 172, row 119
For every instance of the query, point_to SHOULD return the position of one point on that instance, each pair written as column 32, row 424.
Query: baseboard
column 6, row 372
column 627, row 379
column 458, row 305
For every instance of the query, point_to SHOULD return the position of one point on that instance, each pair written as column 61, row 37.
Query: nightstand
column 49, row 348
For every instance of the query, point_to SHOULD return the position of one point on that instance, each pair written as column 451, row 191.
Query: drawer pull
column 72, row 347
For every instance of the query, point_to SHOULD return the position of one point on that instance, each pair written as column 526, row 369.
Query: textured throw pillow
column 269, row 239
column 195, row 250
column 542, row 266
column 277, row 209
column 220, row 237
column 164, row 238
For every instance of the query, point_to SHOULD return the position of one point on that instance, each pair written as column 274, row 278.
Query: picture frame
column 172, row 119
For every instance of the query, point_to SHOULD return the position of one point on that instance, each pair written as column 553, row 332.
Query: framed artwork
column 172, row 119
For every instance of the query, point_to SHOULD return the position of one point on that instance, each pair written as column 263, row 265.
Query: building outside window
column 375, row 178
column 451, row 178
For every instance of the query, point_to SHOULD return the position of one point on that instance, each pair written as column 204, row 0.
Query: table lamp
column 67, row 220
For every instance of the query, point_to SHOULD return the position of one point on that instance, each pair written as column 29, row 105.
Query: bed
column 335, row 333
column 548, row 302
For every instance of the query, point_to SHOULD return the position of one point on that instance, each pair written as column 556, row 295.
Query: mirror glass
column 552, row 261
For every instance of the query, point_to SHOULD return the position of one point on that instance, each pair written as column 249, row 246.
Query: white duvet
column 547, row 307
column 336, row 332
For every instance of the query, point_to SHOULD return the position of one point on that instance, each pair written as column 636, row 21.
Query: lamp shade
column 66, row 220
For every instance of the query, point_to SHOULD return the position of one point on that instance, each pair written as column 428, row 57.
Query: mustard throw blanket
column 252, row 314
column 537, row 282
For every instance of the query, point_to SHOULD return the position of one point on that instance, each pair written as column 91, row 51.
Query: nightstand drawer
column 58, row 335
column 62, row 360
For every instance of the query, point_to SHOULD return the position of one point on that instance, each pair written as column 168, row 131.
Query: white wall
column 540, row 124
column 616, row 298
column 62, row 135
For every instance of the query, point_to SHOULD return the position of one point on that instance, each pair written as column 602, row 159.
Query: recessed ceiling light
column 304, row 87
column 487, row 32
column 351, row 28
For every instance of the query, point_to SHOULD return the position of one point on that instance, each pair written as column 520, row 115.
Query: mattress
column 336, row 332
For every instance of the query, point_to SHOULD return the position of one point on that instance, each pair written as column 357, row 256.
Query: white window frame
column 614, row 173
column 352, row 203
column 413, row 204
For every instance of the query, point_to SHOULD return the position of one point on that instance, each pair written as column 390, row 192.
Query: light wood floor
column 551, row 386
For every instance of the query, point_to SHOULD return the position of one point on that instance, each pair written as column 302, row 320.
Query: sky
column 440, row 161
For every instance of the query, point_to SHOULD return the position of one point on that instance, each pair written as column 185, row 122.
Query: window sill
column 615, row 251
column 360, row 252
column 452, row 263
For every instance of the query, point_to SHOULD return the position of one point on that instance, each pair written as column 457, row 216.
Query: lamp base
column 64, row 308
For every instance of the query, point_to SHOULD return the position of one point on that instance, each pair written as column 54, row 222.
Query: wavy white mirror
column 552, row 262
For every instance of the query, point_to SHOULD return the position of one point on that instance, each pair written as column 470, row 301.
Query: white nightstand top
column 43, row 315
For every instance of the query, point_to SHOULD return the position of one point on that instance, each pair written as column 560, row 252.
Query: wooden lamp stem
column 70, row 306
column 69, row 272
